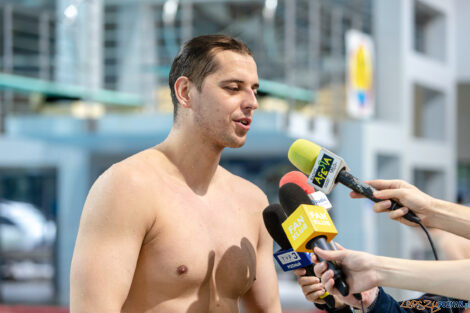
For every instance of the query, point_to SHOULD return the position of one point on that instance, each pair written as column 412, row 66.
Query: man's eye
column 232, row 88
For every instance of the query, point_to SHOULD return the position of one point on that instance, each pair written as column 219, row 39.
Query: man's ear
column 182, row 87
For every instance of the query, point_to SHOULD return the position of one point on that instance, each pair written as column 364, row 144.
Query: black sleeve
column 324, row 307
column 425, row 304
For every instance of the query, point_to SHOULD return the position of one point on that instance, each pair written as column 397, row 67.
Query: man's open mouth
column 244, row 121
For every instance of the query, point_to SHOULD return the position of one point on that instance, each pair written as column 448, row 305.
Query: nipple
column 181, row 269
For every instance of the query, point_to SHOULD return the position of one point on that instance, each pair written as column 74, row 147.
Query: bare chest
column 201, row 249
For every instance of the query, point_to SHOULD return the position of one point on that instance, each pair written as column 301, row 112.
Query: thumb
column 300, row 272
column 329, row 255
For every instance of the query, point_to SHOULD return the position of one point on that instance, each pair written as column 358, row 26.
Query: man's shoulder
column 140, row 168
column 130, row 177
column 122, row 192
column 127, row 172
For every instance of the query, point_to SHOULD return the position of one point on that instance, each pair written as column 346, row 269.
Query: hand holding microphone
column 364, row 270
column 288, row 259
column 408, row 195
column 326, row 170
column 359, row 271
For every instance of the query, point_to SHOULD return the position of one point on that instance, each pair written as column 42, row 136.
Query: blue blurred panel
column 127, row 133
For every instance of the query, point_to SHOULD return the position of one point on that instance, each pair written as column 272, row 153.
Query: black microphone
column 273, row 217
column 292, row 197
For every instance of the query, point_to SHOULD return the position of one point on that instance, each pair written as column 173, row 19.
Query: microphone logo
column 320, row 199
column 288, row 257
column 323, row 169
column 320, row 218
column 297, row 227
column 308, row 222
column 290, row 260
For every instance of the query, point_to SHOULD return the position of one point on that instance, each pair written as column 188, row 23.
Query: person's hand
column 311, row 286
column 359, row 272
column 408, row 195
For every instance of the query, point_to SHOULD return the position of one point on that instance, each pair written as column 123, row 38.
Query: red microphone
column 301, row 180
column 297, row 178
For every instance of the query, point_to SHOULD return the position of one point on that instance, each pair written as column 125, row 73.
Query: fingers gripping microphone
column 309, row 226
column 327, row 169
column 287, row 258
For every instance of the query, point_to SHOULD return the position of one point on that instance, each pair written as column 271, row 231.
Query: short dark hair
column 196, row 60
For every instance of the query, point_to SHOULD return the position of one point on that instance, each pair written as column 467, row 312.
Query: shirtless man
column 168, row 229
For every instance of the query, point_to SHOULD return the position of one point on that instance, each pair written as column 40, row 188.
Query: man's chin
column 236, row 143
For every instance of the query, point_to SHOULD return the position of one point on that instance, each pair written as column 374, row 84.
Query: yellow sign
column 360, row 74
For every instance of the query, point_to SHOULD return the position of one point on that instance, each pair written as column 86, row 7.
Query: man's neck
column 195, row 159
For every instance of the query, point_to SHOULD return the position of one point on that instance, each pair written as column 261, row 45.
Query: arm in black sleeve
column 324, row 307
column 425, row 304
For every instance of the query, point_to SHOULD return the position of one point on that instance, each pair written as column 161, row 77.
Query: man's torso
column 200, row 253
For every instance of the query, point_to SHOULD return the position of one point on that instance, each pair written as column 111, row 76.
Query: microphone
column 309, row 226
column 287, row 258
column 317, row 197
column 326, row 170
column 300, row 179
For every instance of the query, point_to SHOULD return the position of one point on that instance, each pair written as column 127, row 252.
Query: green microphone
column 326, row 170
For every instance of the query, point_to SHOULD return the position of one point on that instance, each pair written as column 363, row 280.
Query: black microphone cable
column 434, row 251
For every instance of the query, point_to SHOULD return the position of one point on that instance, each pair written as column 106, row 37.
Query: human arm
column 451, row 217
column 451, row 246
column 375, row 300
column 364, row 271
column 263, row 296
column 112, row 228
column 425, row 304
column 433, row 212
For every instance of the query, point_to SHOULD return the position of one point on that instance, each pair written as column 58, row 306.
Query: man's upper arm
column 263, row 297
column 113, row 224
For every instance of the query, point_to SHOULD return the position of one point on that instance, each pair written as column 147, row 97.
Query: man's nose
column 250, row 101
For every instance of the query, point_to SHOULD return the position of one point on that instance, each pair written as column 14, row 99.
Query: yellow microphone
column 308, row 226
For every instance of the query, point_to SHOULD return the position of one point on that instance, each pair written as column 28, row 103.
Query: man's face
column 224, row 107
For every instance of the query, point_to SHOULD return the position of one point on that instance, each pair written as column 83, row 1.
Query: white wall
column 463, row 42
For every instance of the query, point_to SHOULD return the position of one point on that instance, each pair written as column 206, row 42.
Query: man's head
column 213, row 83
column 196, row 60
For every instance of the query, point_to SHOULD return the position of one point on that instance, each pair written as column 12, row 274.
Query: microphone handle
column 366, row 190
column 338, row 276
column 333, row 247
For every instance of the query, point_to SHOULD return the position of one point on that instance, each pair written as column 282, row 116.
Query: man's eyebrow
column 238, row 81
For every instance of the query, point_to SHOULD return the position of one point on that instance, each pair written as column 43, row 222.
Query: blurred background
column 84, row 83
